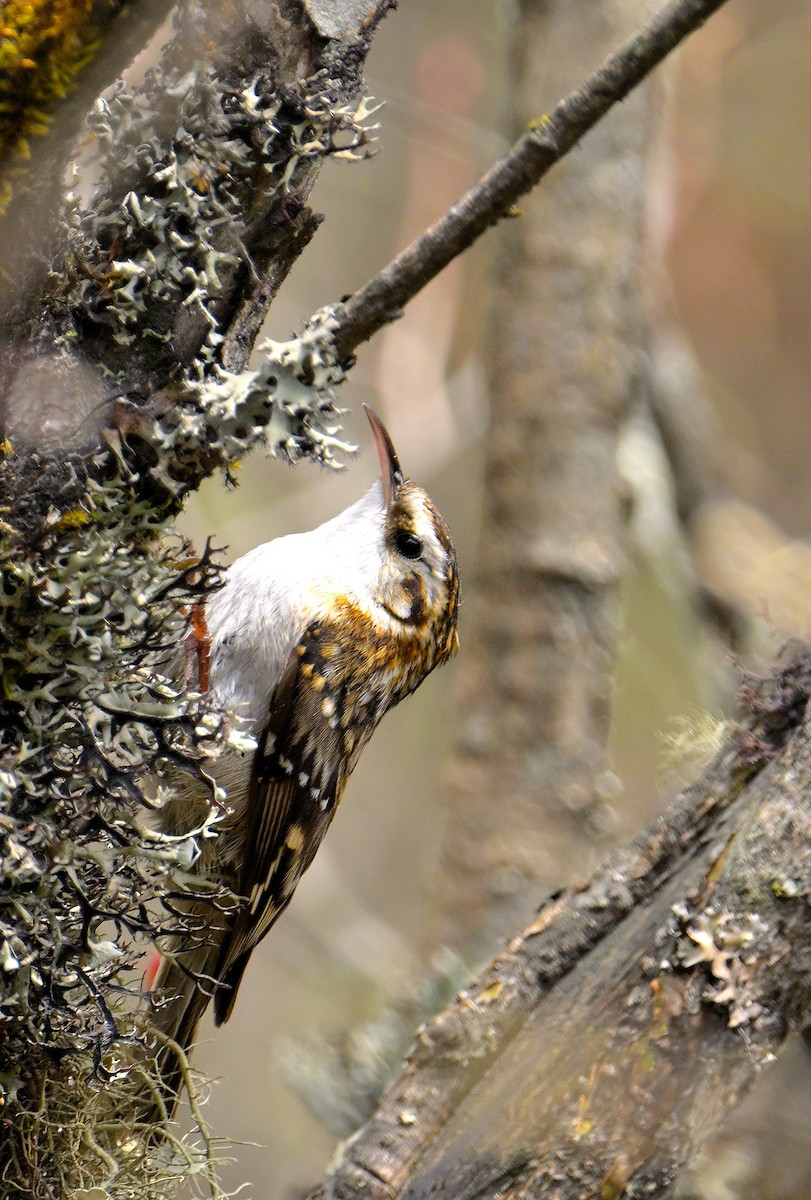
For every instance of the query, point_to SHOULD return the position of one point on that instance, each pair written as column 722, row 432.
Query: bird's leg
column 197, row 649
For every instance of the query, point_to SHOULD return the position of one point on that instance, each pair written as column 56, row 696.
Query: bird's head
column 418, row 579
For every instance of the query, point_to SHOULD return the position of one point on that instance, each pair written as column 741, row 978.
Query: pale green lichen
column 731, row 946
column 287, row 405
column 181, row 226
column 87, row 710
column 172, row 243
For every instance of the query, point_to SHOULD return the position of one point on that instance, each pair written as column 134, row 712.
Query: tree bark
column 156, row 278
column 601, row 1051
column 546, row 141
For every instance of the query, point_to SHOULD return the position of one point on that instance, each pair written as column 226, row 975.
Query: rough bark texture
column 122, row 388
column 111, row 34
column 603, row 1049
column 525, row 800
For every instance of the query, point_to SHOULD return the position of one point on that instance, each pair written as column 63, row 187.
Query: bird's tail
column 177, row 1031
column 183, row 989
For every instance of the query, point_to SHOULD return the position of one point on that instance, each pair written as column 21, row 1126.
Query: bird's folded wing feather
column 297, row 775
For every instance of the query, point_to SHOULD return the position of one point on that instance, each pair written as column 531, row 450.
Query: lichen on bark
column 119, row 392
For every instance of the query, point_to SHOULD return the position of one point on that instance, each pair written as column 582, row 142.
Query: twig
column 687, row 426
column 546, row 141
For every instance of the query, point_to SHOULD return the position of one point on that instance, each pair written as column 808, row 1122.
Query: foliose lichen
column 287, row 405
column 88, row 620
column 154, row 256
column 732, row 947
column 176, row 215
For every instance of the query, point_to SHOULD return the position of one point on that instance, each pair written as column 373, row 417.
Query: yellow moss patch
column 73, row 519
column 43, row 44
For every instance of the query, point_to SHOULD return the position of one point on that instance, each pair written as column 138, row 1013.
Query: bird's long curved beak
column 391, row 472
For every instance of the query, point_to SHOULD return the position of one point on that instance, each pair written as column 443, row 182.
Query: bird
column 313, row 637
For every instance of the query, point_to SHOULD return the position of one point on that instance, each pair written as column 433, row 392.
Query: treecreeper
column 312, row 638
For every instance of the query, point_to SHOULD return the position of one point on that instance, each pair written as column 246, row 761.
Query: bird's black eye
column 407, row 544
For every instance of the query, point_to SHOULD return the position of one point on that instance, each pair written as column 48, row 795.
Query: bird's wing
column 297, row 776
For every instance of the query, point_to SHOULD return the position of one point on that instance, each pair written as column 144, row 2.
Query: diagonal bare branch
column 545, row 142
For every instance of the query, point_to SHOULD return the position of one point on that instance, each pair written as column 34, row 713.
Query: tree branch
column 164, row 273
column 198, row 192
column 546, row 141
column 95, row 593
column 646, row 1000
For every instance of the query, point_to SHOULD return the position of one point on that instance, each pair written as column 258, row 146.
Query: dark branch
column 545, row 142
column 606, row 1044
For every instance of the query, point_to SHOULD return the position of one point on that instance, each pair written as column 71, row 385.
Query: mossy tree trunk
column 126, row 329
